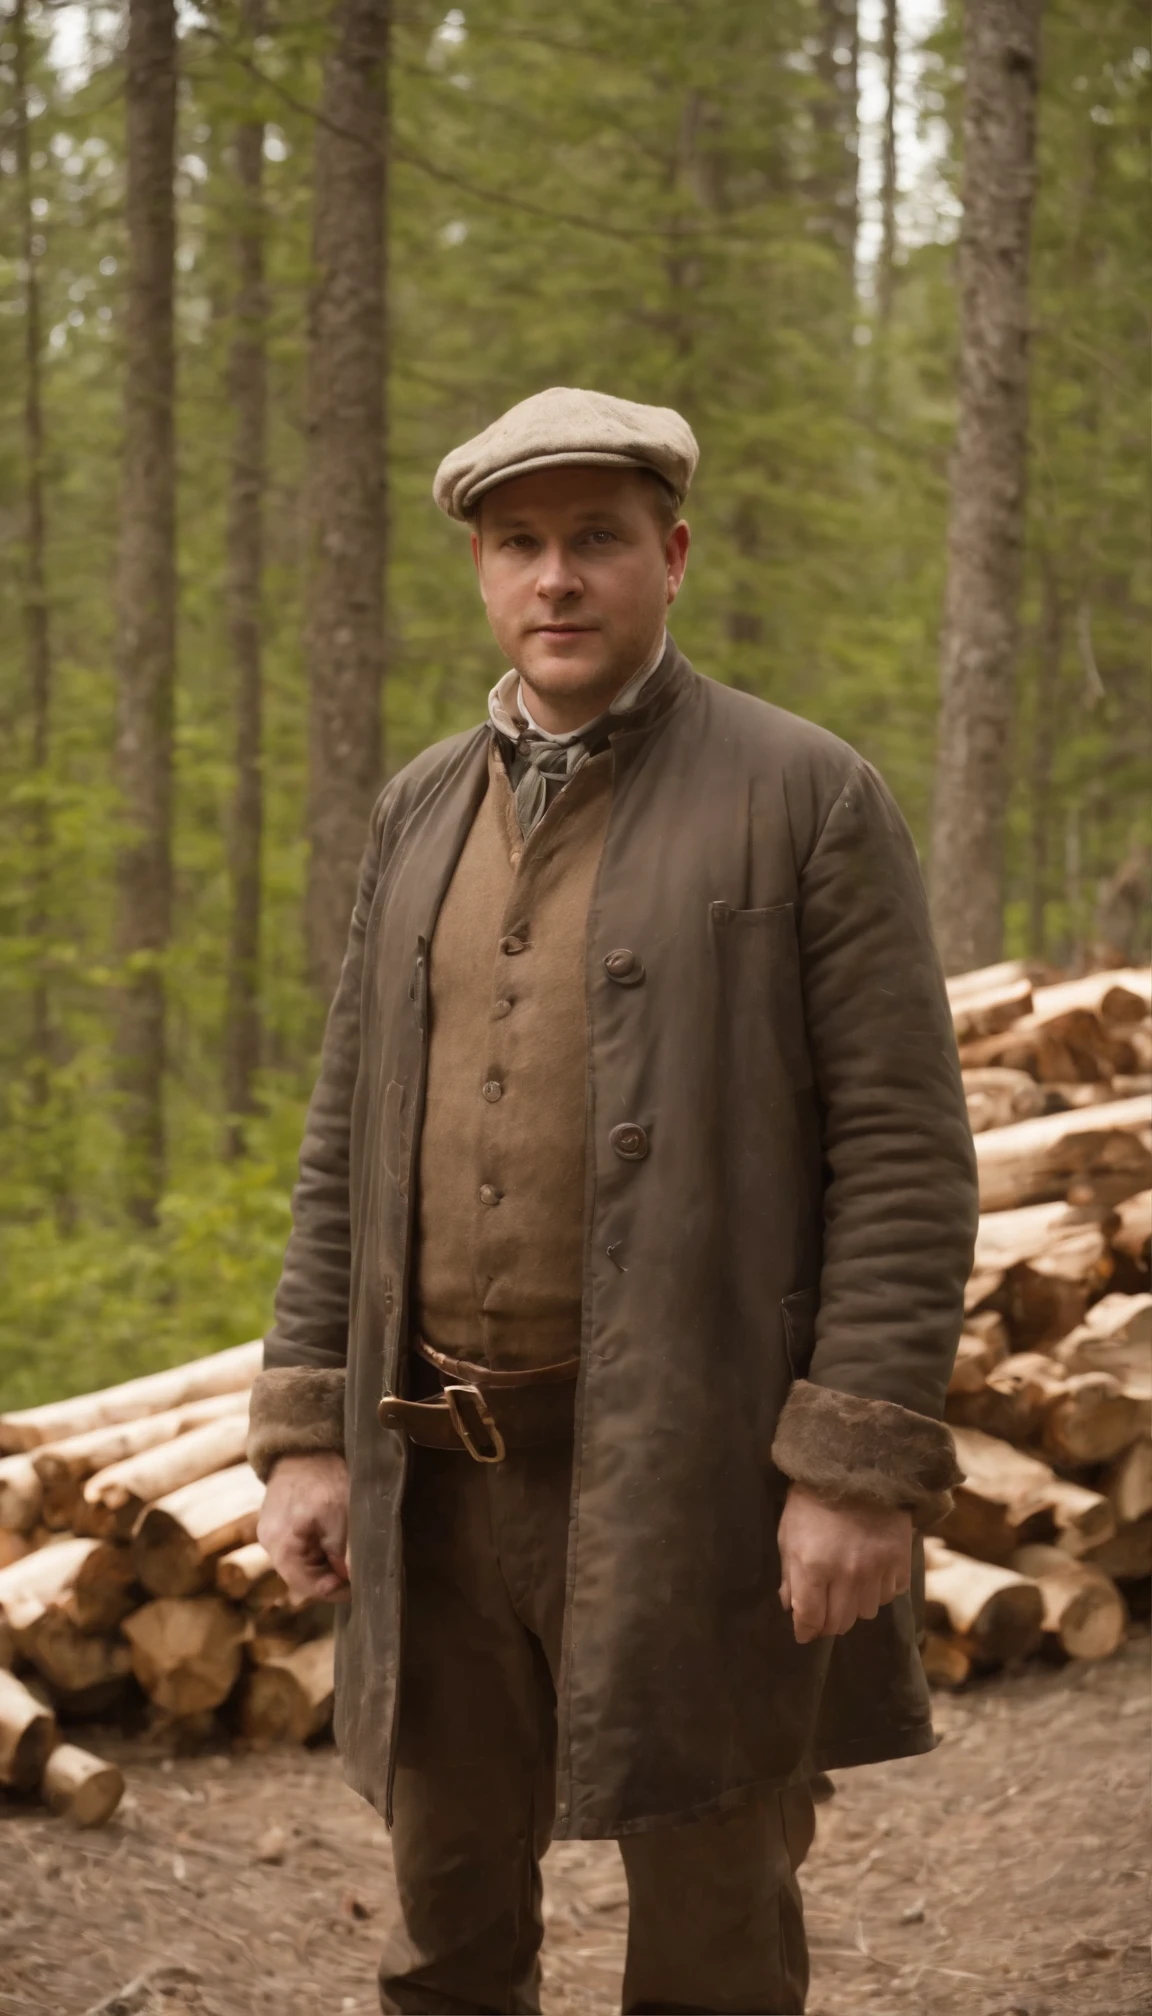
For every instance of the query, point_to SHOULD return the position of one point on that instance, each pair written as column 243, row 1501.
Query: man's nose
column 557, row 577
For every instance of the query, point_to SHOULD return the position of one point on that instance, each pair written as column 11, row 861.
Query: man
column 635, row 1207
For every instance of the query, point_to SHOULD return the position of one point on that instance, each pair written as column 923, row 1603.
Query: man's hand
column 304, row 1525
column 839, row 1562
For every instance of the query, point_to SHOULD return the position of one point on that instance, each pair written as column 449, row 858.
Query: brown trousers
column 715, row 1919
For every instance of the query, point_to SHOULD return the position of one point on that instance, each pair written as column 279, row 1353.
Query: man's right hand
column 304, row 1526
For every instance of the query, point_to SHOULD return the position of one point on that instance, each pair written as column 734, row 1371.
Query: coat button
column 624, row 967
column 492, row 1090
column 489, row 1194
column 628, row 1141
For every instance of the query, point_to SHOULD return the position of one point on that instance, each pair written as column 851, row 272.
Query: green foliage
column 642, row 201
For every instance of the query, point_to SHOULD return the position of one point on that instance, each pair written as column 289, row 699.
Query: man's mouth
column 564, row 629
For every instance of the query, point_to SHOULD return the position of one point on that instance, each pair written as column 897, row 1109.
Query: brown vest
column 501, row 1202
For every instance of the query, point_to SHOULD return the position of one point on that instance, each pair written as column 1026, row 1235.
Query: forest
column 262, row 264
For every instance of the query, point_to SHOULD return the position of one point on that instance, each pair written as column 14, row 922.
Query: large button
column 500, row 1009
column 489, row 1194
column 492, row 1090
column 628, row 1141
column 624, row 967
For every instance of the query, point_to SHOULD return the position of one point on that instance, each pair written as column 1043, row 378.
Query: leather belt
column 486, row 1411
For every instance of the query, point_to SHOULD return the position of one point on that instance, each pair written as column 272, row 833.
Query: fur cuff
column 295, row 1411
column 866, row 1452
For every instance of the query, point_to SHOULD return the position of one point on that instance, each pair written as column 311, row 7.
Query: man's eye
column 519, row 540
column 603, row 538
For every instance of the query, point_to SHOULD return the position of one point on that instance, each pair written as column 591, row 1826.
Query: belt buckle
column 452, row 1396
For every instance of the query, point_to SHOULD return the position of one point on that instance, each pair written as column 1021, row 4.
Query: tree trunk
column 346, row 477
column 146, row 602
column 986, row 520
column 37, row 644
column 1044, row 736
column 886, row 273
column 837, row 129
column 245, row 555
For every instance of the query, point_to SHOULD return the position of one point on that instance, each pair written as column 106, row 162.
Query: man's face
column 576, row 572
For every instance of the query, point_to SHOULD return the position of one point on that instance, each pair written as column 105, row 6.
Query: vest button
column 500, row 1009
column 624, row 967
column 514, row 856
column 628, row 1141
column 489, row 1194
column 492, row 1090
column 513, row 943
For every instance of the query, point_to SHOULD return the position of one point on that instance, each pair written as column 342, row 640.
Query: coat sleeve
column 900, row 1203
column 297, row 1405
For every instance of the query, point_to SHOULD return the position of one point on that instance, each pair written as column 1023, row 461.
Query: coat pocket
column 799, row 1312
column 760, row 961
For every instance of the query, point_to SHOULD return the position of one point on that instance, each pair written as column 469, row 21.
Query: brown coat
column 799, row 1231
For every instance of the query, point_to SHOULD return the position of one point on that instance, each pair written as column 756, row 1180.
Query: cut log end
column 80, row 1787
column 27, row 1734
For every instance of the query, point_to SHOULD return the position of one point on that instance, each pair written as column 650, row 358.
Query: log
column 1119, row 995
column 7, row 1646
column 1072, row 1046
column 20, row 1494
column 1115, row 1337
column 1093, row 1420
column 79, row 1457
column 224, row 1372
column 1127, row 1556
column 1083, row 1609
column 79, row 1668
column 13, row 1546
column 81, row 1788
column 1036, row 1161
column 177, row 1538
column 945, row 1662
column 998, row 1098
column 27, row 1733
column 186, row 1651
column 984, row 1010
column 1132, row 1234
column 89, row 1581
column 1013, row 1399
column 995, row 1613
column 985, row 979
column 1009, row 1498
column 247, row 1576
column 288, row 1700
column 1127, row 1485
column 971, row 1368
column 115, row 1498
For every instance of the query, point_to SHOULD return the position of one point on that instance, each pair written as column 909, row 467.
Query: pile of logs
column 129, row 1563
column 1051, row 1397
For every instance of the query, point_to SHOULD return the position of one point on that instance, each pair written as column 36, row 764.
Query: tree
column 146, row 601
column 37, row 638
column 346, row 476
column 248, row 375
column 986, row 515
column 886, row 268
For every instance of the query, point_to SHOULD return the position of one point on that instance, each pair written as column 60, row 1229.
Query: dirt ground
column 1005, row 1875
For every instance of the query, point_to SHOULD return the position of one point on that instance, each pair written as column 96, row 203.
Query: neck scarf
column 542, row 763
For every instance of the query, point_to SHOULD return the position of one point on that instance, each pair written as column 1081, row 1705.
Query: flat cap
column 567, row 425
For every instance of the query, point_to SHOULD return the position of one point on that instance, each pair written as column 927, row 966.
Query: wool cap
column 567, row 425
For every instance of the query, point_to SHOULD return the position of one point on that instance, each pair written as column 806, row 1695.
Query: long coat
column 806, row 1210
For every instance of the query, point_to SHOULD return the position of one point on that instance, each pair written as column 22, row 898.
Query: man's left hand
column 839, row 1562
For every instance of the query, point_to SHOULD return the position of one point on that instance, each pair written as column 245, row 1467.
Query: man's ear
column 476, row 564
column 676, row 557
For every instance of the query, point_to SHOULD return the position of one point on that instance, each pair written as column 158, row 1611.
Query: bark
column 886, row 273
column 230, row 1371
column 146, row 603
column 81, row 1456
column 82, row 1788
column 986, row 519
column 115, row 1498
column 346, row 478
column 245, row 572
